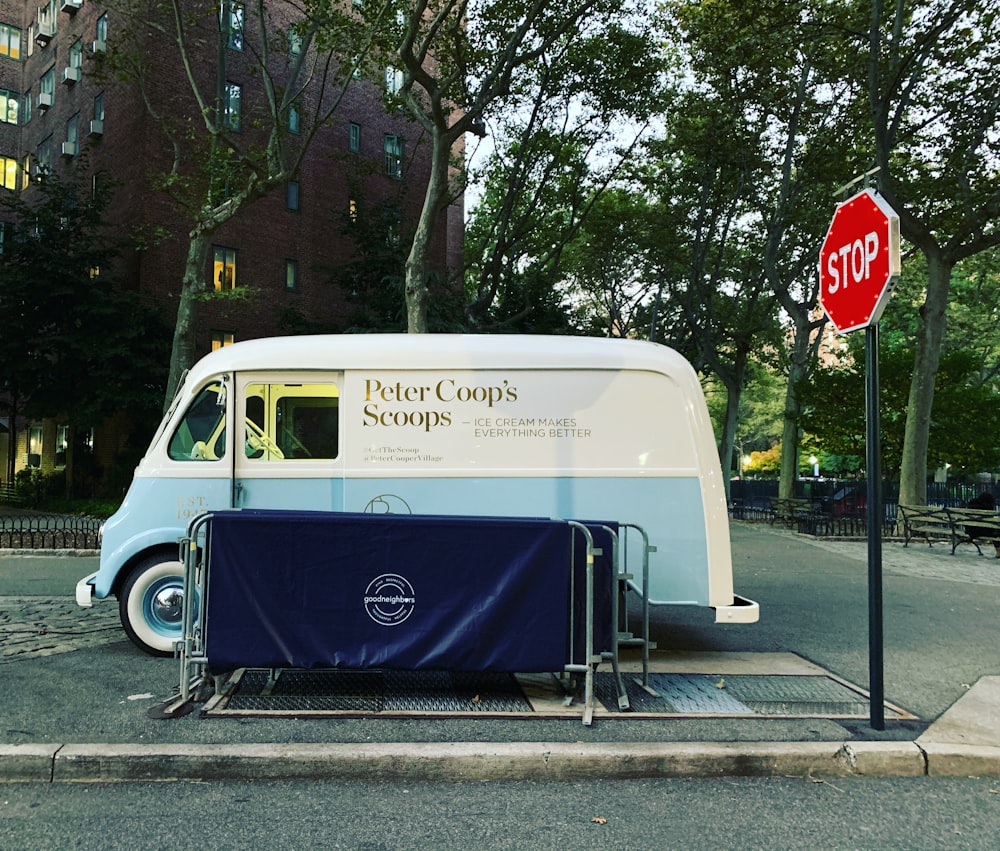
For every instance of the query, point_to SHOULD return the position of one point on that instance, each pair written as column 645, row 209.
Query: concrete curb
column 496, row 761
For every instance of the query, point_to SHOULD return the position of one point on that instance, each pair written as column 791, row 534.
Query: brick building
column 59, row 113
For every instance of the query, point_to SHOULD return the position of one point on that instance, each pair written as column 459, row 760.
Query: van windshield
column 201, row 435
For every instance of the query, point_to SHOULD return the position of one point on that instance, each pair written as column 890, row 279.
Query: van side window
column 201, row 435
column 290, row 421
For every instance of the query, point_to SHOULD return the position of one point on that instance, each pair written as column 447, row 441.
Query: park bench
column 972, row 526
column 791, row 511
column 930, row 522
column 935, row 523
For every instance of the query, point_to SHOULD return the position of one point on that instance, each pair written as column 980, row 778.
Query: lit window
column 352, row 209
column 394, row 156
column 8, row 176
column 233, row 106
column 292, row 195
column 224, row 268
column 9, row 103
column 10, row 41
column 34, row 446
column 291, row 275
column 221, row 339
column 354, row 137
column 62, row 443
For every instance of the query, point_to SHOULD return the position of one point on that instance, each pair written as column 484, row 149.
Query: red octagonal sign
column 859, row 261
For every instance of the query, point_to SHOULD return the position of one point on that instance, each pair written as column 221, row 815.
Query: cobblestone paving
column 42, row 626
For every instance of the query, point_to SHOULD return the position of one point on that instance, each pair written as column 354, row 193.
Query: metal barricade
column 196, row 555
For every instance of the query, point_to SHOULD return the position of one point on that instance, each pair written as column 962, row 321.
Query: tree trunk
column 184, row 351
column 798, row 368
column 729, row 426
column 930, row 335
column 416, row 261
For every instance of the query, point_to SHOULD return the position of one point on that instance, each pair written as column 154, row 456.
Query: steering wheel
column 258, row 440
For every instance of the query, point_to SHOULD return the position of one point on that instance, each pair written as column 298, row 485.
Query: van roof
column 336, row 352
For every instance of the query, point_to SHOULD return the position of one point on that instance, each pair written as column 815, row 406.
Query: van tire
column 149, row 604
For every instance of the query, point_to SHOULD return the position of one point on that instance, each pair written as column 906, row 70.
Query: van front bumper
column 85, row 591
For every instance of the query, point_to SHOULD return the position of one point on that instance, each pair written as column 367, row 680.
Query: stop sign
column 859, row 261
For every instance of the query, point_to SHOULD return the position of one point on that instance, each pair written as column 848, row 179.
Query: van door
column 288, row 453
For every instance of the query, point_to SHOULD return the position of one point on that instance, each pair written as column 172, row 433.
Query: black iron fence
column 48, row 531
column 832, row 508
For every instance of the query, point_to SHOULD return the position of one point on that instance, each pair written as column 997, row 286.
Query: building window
column 354, row 137
column 393, row 81
column 222, row 338
column 291, row 275
column 47, row 88
column 3, row 234
column 73, row 136
column 292, row 195
column 8, row 173
column 394, row 156
column 101, row 33
column 43, row 157
column 76, row 54
column 224, row 267
column 9, row 103
column 294, row 121
column 99, row 109
column 294, row 41
column 10, row 41
column 233, row 106
column 62, row 444
column 231, row 19
column 352, row 209
column 34, row 446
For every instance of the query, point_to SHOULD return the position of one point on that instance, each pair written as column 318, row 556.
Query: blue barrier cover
column 311, row 589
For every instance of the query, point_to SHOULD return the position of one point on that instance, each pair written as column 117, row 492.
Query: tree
column 459, row 61
column 769, row 62
column 305, row 56
column 933, row 92
column 967, row 408
column 74, row 344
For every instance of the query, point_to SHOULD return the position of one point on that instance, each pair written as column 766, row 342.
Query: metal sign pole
column 875, row 514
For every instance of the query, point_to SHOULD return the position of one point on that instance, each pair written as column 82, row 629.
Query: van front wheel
column 151, row 604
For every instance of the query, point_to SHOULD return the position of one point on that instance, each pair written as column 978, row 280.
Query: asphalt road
column 70, row 676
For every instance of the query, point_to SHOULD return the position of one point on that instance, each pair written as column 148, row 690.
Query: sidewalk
column 75, row 702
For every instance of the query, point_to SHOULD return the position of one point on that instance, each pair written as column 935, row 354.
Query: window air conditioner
column 70, row 5
column 45, row 32
column 99, row 46
column 70, row 75
column 96, row 127
column 45, row 100
column 69, row 149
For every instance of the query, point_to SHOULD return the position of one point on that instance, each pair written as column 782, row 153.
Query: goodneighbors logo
column 389, row 599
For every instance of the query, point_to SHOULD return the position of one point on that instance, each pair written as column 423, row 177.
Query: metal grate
column 367, row 692
column 751, row 695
